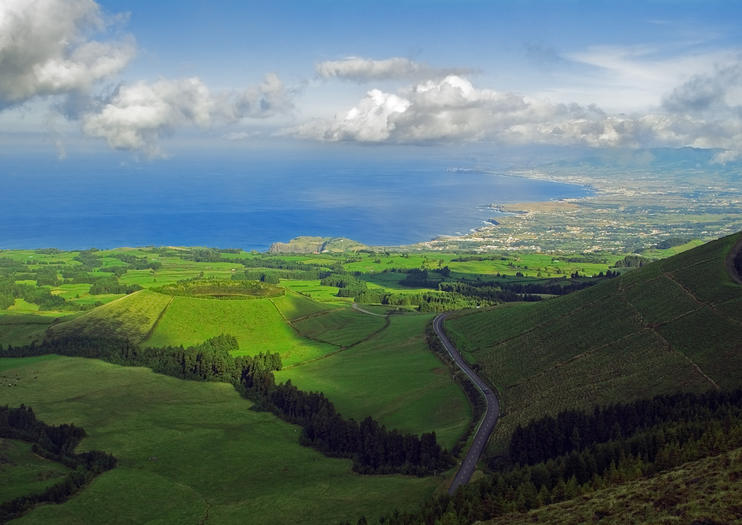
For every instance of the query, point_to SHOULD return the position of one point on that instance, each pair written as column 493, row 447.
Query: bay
column 250, row 204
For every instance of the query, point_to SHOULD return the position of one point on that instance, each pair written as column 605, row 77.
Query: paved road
column 487, row 424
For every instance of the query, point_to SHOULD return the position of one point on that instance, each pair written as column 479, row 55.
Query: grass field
column 190, row 450
column 256, row 323
column 341, row 327
column 314, row 290
column 293, row 306
column 22, row 329
column 659, row 329
column 392, row 377
column 24, row 472
column 704, row 491
column 131, row 317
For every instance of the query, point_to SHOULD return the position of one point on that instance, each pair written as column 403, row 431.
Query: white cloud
column 626, row 78
column 136, row 116
column 453, row 109
column 46, row 49
column 705, row 112
column 359, row 69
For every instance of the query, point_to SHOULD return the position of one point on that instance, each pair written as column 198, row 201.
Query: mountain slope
column 669, row 326
column 703, row 491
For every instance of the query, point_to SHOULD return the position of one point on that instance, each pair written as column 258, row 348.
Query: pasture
column 188, row 450
column 256, row 323
column 393, row 377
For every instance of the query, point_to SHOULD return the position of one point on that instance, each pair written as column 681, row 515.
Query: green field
column 131, row 317
column 341, row 327
column 189, row 450
column 24, row 472
column 392, row 377
column 663, row 328
column 22, row 329
column 293, row 306
column 256, row 323
column 314, row 290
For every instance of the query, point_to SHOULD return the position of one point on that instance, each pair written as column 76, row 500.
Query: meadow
column 24, row 472
column 393, row 377
column 342, row 327
column 250, row 466
column 131, row 317
column 256, row 323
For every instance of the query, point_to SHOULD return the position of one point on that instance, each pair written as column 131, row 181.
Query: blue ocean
column 247, row 203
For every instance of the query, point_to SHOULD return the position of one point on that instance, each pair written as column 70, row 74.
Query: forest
column 557, row 458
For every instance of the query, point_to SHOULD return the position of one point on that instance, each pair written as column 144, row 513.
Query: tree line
column 373, row 448
column 56, row 443
column 571, row 430
column 644, row 439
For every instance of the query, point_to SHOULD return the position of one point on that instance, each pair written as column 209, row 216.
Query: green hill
column 159, row 319
column 131, row 317
column 669, row 326
column 256, row 323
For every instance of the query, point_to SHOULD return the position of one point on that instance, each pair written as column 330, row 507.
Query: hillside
column 131, row 317
column 256, row 323
column 703, row 491
column 671, row 325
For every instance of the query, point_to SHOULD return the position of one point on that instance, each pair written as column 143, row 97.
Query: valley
column 356, row 327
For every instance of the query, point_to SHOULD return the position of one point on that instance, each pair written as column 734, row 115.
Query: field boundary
column 157, row 321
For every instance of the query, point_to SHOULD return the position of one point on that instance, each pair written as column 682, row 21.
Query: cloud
column 639, row 76
column 46, row 49
column 137, row 116
column 360, row 69
column 704, row 112
column 710, row 109
column 453, row 109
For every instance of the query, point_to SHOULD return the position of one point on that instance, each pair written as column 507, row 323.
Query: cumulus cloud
column 136, row 116
column 46, row 48
column 452, row 108
column 360, row 69
column 704, row 112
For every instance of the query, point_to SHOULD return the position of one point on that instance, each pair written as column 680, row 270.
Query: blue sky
column 153, row 78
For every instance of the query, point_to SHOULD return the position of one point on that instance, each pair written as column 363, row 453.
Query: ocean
column 249, row 204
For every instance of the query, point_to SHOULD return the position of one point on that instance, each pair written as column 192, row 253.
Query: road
column 487, row 424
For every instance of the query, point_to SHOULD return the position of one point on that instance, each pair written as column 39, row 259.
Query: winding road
column 486, row 426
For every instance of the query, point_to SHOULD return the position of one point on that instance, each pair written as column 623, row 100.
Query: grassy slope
column 23, row 472
column 187, row 450
column 293, row 306
column 672, row 325
column 704, row 491
column 21, row 329
column 132, row 317
column 256, row 323
column 342, row 327
column 393, row 377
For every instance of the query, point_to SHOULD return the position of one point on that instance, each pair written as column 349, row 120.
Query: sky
column 151, row 80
